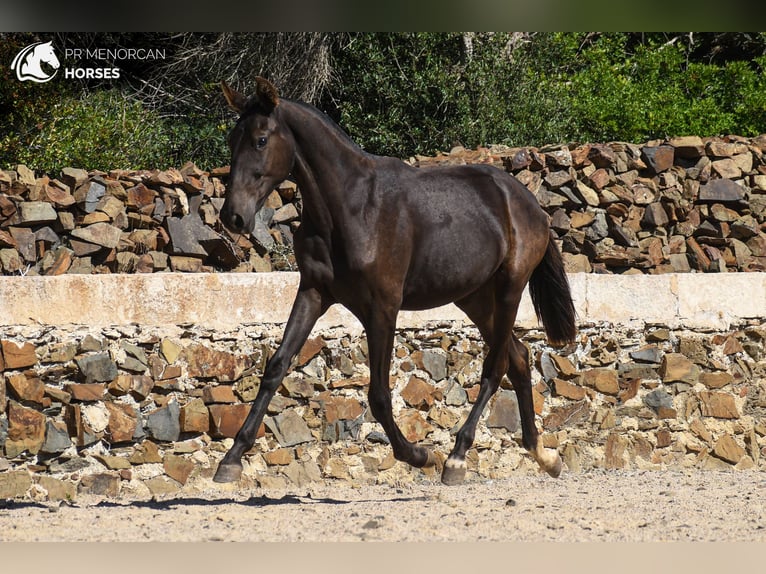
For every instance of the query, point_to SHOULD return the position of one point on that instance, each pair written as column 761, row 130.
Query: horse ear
column 236, row 101
column 266, row 93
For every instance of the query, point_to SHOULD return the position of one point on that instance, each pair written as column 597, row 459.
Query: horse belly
column 440, row 277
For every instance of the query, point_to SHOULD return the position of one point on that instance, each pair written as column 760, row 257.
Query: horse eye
column 261, row 142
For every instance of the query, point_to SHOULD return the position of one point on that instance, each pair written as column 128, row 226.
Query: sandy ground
column 609, row 506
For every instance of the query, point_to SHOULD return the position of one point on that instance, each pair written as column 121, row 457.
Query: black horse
column 377, row 236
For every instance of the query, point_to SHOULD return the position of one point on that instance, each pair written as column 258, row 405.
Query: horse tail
column 552, row 298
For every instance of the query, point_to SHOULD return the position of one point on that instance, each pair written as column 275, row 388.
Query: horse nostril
column 237, row 222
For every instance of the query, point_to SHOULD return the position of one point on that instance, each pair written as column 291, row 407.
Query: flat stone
column 102, row 234
column 728, row 449
column 58, row 489
column 412, row 424
column 195, row 417
column 279, row 457
column 218, row 394
column 163, row 424
column 289, row 429
column 24, row 388
column 675, row 367
column 718, row 404
column 311, row 348
column 86, row 391
column 26, row 430
column 74, row 177
column 100, row 484
column 122, row 422
column 568, row 390
column 716, row 380
column 18, row 356
column 89, row 194
column 177, row 467
column 206, row 363
column 659, row 158
column 721, row 190
column 504, row 412
column 14, row 484
column 604, row 380
column 36, row 212
column 56, row 437
column 303, row 473
column 342, row 408
column 418, row 393
column 433, row 361
column 226, row 420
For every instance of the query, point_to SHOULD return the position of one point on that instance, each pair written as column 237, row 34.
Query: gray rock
column 658, row 398
column 456, row 395
column 164, row 423
column 289, row 428
column 56, row 438
column 98, row 368
column 34, row 212
column 505, row 412
column 435, row 362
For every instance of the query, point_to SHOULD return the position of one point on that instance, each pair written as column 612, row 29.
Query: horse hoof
column 554, row 470
column 454, row 472
column 228, row 473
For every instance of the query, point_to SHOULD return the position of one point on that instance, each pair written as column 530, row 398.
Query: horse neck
column 33, row 62
column 326, row 159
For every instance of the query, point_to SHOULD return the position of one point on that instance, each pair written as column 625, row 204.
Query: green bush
column 107, row 130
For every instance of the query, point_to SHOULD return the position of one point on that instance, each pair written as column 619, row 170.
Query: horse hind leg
column 520, row 376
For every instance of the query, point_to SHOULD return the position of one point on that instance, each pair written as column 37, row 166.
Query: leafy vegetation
column 396, row 94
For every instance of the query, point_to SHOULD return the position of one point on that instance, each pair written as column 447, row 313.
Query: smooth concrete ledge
column 225, row 301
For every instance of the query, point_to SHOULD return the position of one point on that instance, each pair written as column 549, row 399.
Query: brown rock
column 86, row 391
column 177, row 467
column 145, row 453
column 24, row 388
column 689, row 147
column 719, row 405
column 279, row 457
column 15, row 484
column 602, row 379
column 100, row 484
column 716, row 380
column 122, row 422
column 418, row 393
column 226, row 420
column 721, row 190
column 676, row 367
column 102, row 234
column 18, row 356
column 659, row 158
column 728, row 449
column 566, row 416
column 311, row 349
column 206, row 363
column 614, row 451
column 26, row 430
column 342, row 408
column 568, row 390
column 195, row 417
column 412, row 424
column 218, row 394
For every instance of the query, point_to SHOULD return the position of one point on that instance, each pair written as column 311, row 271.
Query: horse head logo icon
column 28, row 62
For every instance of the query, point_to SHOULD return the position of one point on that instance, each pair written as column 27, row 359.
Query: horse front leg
column 380, row 342
column 309, row 305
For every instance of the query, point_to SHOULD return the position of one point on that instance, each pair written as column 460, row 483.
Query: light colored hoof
column 548, row 459
column 228, row 473
column 454, row 472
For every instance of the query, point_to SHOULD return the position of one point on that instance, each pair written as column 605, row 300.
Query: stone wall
column 132, row 410
column 664, row 206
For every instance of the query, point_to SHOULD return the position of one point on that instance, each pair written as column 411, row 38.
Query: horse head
column 44, row 52
column 262, row 154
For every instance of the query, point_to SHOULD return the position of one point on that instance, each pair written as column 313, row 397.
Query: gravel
column 606, row 506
